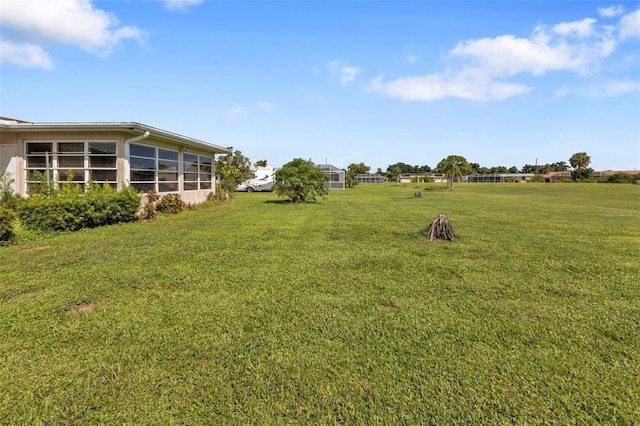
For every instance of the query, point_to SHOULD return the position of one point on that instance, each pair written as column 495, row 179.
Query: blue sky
column 501, row 82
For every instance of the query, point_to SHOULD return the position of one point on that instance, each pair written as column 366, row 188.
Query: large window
column 197, row 172
column 159, row 169
column 78, row 161
column 153, row 168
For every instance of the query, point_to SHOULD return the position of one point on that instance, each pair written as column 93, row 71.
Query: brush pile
column 441, row 229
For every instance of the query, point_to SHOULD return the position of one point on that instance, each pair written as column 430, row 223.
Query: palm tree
column 579, row 160
column 452, row 166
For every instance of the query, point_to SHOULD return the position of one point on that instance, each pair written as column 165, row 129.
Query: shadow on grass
column 278, row 202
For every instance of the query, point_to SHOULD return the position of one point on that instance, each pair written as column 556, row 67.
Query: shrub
column 621, row 177
column 301, row 181
column 222, row 195
column 53, row 214
column 108, row 206
column 7, row 218
column 148, row 209
column 170, row 203
column 69, row 210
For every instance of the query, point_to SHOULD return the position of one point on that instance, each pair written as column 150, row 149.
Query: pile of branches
column 441, row 229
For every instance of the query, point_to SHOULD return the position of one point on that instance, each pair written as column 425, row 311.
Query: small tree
column 261, row 163
column 354, row 170
column 453, row 166
column 300, row 181
column 233, row 169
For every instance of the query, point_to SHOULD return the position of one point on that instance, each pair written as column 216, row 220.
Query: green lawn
column 261, row 312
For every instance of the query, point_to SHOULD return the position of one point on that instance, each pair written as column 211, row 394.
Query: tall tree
column 233, row 169
column 352, row 171
column 400, row 167
column 300, row 181
column 453, row 166
column 579, row 160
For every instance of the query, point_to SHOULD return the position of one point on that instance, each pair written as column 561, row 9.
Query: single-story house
column 566, row 175
column 336, row 176
column 115, row 153
column 370, row 178
column 422, row 177
column 500, row 177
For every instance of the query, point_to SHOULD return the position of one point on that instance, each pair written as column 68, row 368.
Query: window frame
column 82, row 172
column 164, row 165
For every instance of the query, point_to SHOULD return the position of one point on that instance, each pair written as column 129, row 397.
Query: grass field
column 262, row 312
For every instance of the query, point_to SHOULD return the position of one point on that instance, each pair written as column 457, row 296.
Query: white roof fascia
column 129, row 127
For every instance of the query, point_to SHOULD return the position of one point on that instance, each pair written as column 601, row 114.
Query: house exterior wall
column 19, row 139
column 336, row 176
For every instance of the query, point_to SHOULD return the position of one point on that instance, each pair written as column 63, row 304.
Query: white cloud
column 621, row 87
column 543, row 51
column 411, row 59
column 35, row 23
column 25, row 55
column 233, row 113
column 346, row 73
column 266, row 105
column 629, row 25
column 611, row 11
column 478, row 69
column 580, row 29
column 434, row 87
column 180, row 4
column 560, row 93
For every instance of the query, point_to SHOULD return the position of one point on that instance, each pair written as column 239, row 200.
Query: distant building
column 500, row 177
column 370, row 178
column 336, row 176
column 566, row 176
column 422, row 177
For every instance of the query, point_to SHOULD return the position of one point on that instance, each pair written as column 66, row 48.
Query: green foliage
column 583, row 174
column 233, row 169
column 6, row 181
column 8, row 198
column 399, row 168
column 70, row 210
column 453, row 166
column 170, row 204
column 352, row 171
column 301, row 181
column 537, row 178
column 7, row 219
column 38, row 184
column 580, row 160
column 261, row 163
column 620, row 177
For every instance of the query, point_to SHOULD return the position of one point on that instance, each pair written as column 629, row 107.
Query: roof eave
column 127, row 127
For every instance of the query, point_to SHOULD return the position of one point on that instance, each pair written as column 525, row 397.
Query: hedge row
column 71, row 211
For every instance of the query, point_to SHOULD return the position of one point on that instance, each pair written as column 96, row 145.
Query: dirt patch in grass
column 388, row 306
column 81, row 308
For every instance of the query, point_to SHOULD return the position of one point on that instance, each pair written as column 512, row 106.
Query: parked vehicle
column 264, row 180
